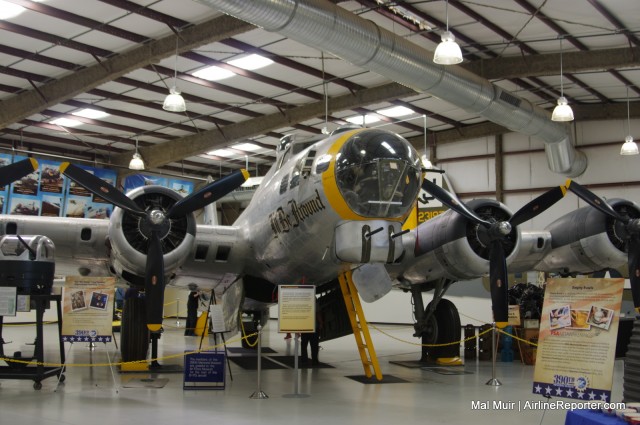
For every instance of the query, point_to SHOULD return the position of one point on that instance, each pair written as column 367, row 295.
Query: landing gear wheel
column 447, row 330
column 134, row 335
column 37, row 385
column 62, row 378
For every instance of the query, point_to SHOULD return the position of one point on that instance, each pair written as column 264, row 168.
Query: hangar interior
column 86, row 83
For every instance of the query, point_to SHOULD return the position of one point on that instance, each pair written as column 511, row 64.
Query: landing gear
column 446, row 321
column 134, row 335
column 438, row 324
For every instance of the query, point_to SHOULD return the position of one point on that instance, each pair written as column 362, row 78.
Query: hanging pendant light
column 448, row 51
column 562, row 112
column 174, row 102
column 136, row 162
column 629, row 147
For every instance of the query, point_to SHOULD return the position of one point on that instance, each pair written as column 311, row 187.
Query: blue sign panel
column 204, row 371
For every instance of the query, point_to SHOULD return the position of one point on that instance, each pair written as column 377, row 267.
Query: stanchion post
column 494, row 352
column 259, row 394
column 178, row 312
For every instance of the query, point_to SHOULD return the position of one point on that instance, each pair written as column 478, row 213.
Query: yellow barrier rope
column 517, row 338
column 430, row 345
column 246, row 337
column 173, row 356
column 18, row 325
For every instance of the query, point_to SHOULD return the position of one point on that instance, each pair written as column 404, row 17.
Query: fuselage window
column 223, row 253
column 295, row 179
column 201, row 252
column 283, row 184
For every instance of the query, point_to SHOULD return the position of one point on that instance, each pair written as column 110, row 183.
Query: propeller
column 631, row 234
column 155, row 220
column 497, row 232
column 17, row 170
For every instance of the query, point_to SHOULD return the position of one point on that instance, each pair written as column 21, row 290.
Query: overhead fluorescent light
column 396, row 111
column 251, row 62
column 368, row 119
column 247, row 147
column 213, row 73
column 9, row 10
column 66, row 122
column 222, row 152
column 90, row 113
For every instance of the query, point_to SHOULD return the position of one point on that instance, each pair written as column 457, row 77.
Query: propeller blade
column 594, row 200
column 452, row 202
column 154, row 283
column 17, row 170
column 99, row 187
column 538, row 205
column 208, row 194
column 634, row 269
column 499, row 284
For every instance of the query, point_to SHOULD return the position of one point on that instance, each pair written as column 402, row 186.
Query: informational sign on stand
column 88, row 309
column 8, row 297
column 577, row 341
column 204, row 371
column 296, row 308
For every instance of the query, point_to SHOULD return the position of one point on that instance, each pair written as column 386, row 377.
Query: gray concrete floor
column 92, row 394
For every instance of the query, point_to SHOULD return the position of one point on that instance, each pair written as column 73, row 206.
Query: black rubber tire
column 448, row 330
column 37, row 385
column 134, row 335
column 631, row 386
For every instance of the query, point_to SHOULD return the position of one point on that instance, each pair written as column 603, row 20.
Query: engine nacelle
column 587, row 240
column 451, row 246
column 129, row 236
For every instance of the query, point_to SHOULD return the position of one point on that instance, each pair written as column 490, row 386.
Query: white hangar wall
column 524, row 168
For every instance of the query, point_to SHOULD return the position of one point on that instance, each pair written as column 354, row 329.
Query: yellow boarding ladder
column 359, row 326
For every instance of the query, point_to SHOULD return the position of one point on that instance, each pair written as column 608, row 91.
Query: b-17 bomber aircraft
column 328, row 205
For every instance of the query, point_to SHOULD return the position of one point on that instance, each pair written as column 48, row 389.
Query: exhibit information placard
column 204, row 371
column 87, row 309
column 296, row 308
column 577, row 341
column 8, row 301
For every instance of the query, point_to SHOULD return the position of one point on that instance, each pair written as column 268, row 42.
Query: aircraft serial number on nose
column 283, row 221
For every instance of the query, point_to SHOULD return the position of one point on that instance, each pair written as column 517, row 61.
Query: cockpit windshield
column 378, row 174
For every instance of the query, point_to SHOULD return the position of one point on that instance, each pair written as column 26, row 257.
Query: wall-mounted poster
column 138, row 180
column 80, row 203
column 24, row 205
column 51, row 179
column 183, row 187
column 577, row 340
column 28, row 185
column 4, row 190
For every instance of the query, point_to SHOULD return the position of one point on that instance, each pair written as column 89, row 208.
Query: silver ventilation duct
column 327, row 27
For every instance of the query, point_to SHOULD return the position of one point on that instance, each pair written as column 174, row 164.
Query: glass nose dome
column 378, row 173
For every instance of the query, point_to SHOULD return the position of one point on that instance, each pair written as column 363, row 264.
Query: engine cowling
column 451, row 246
column 129, row 236
column 587, row 240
